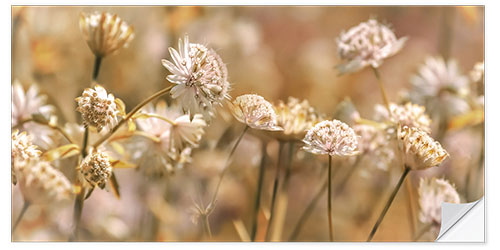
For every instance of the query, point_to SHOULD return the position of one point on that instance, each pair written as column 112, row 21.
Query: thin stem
column 131, row 113
column 206, row 226
column 410, row 199
column 422, row 231
column 21, row 214
column 258, row 195
column 152, row 115
column 275, row 191
column 77, row 214
column 351, row 170
column 389, row 202
column 85, row 142
column 382, row 89
column 97, row 66
column 54, row 127
column 329, row 200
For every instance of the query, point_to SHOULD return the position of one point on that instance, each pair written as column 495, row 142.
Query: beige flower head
column 255, row 112
column 420, row 151
column 22, row 152
column 433, row 192
column 41, row 183
column 200, row 77
column 477, row 73
column 96, row 168
column 105, row 33
column 366, row 44
column 296, row 117
column 375, row 141
column 411, row 115
column 27, row 103
column 98, row 108
column 333, row 138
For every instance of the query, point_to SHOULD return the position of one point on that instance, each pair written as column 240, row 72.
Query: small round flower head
column 200, row 75
column 42, row 183
column 420, row 151
column 296, row 117
column 96, row 168
column 25, row 104
column 98, row 108
column 105, row 33
column 433, row 192
column 22, row 152
column 411, row 115
column 255, row 112
column 366, row 44
column 333, row 138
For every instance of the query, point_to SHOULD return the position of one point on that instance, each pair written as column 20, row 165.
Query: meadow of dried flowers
column 244, row 123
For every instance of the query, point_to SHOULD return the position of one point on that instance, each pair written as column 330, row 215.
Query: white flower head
column 433, row 192
column 477, row 73
column 105, row 33
column 420, row 151
column 333, row 138
column 25, row 104
column 98, row 108
column 366, row 44
column 296, row 117
column 255, row 112
column 96, row 168
column 200, row 77
column 411, row 115
column 22, row 152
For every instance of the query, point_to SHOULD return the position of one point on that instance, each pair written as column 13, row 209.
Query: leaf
column 122, row 164
column 61, row 152
column 131, row 125
column 114, row 185
column 471, row 118
column 118, row 147
column 121, row 106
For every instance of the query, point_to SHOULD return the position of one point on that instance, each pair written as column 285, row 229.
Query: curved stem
column 329, row 200
column 389, row 202
column 382, row 89
column 206, row 226
column 54, row 127
column 275, row 191
column 20, row 217
column 258, row 195
column 131, row 113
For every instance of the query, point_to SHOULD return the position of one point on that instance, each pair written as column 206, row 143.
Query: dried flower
column 419, row 149
column 412, row 115
column 333, row 138
column 98, row 108
column 200, row 75
column 375, row 142
column 22, row 152
column 255, row 112
column 25, row 104
column 477, row 73
column 42, row 183
column 105, row 33
column 296, row 117
column 366, row 44
column 433, row 192
column 96, row 168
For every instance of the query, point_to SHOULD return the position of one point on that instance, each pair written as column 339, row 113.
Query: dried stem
column 77, row 214
column 410, row 202
column 329, row 200
column 275, row 191
column 389, row 202
column 85, row 142
column 97, row 66
column 351, row 171
column 258, row 195
column 206, row 226
column 422, row 231
column 21, row 214
column 54, row 127
column 382, row 89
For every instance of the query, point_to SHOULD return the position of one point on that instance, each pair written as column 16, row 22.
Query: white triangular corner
column 462, row 222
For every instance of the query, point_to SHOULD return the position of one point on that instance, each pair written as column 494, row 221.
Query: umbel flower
column 41, row 183
column 420, row 151
column 366, row 44
column 333, row 138
column 433, row 192
column 22, row 152
column 96, row 168
column 105, row 33
column 411, row 115
column 200, row 77
column 255, row 112
column 25, row 104
column 98, row 108
column 296, row 117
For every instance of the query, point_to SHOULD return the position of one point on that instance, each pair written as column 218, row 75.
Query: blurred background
column 275, row 52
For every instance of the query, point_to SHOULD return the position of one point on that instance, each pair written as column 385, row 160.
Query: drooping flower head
column 433, row 192
column 255, row 112
column 411, row 115
column 41, row 183
column 200, row 75
column 420, row 151
column 296, row 117
column 105, row 33
column 366, row 44
column 96, row 168
column 333, row 138
column 22, row 152
column 98, row 108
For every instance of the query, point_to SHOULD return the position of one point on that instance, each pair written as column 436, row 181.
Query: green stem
column 258, row 195
column 275, row 191
column 20, row 217
column 329, row 200
column 389, row 202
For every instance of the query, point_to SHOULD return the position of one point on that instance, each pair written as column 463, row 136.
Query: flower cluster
column 22, row 151
column 433, row 192
column 296, row 117
column 96, row 168
column 98, row 108
column 411, row 115
column 255, row 112
column 420, row 151
column 374, row 141
column 333, row 138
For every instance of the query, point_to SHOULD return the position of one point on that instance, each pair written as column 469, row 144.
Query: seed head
column 105, row 33
column 366, row 44
column 420, row 151
column 98, row 108
column 255, row 112
column 433, row 192
column 333, row 138
column 201, row 78
column 96, row 168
